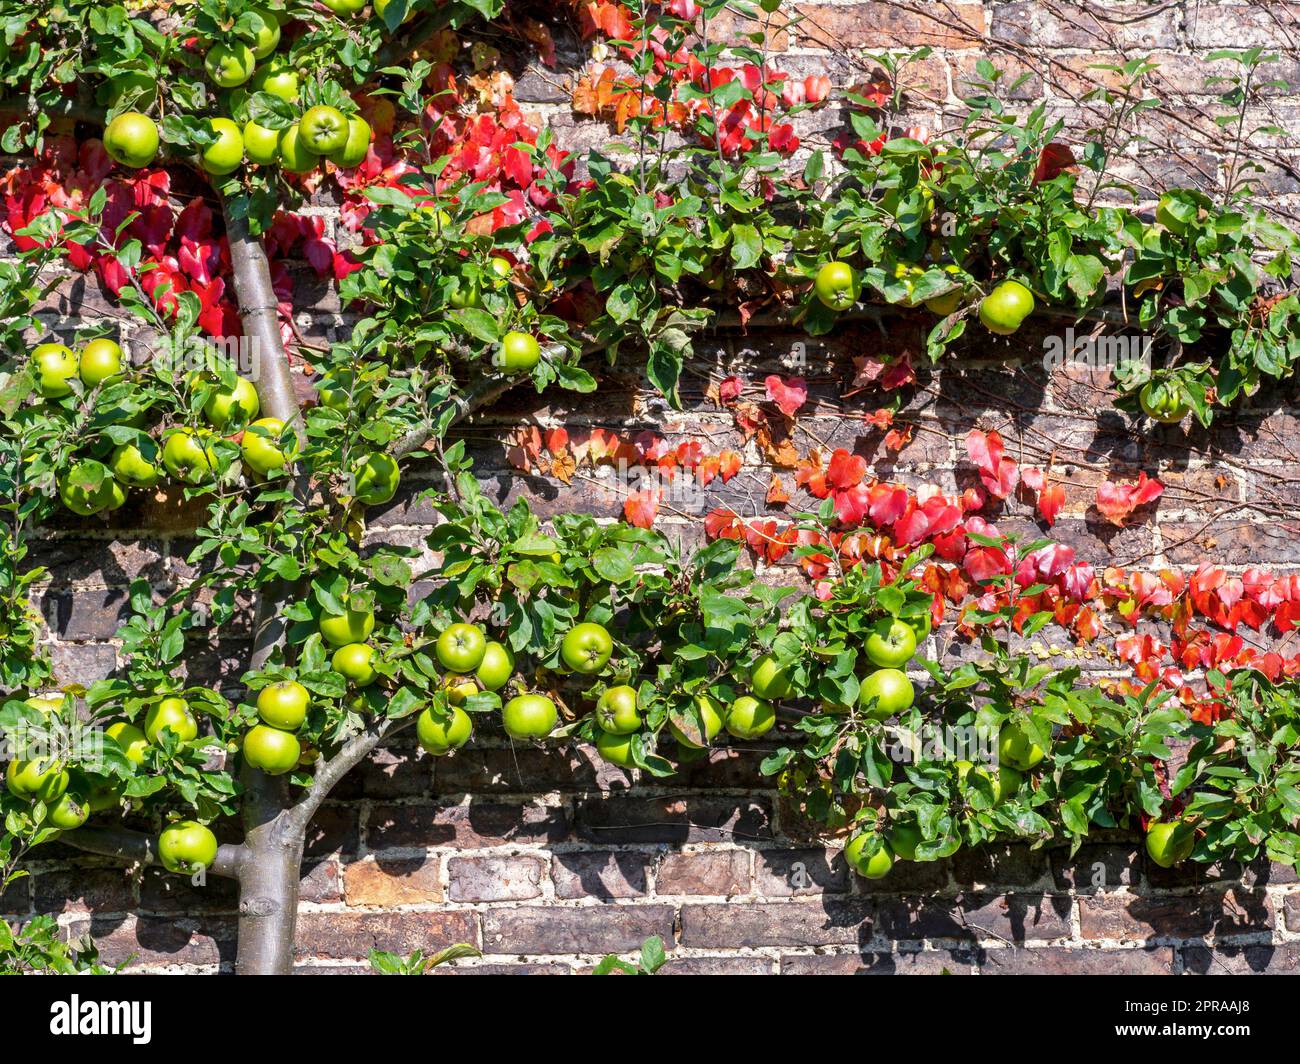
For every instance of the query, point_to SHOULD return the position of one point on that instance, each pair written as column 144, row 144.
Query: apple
column 441, row 735
column 354, row 626
column 1003, row 309
column 229, row 65
column 104, row 795
column 55, row 365
column 283, row 704
column 353, row 661
column 496, row 667
column 135, row 86
column 461, row 647
column 586, row 648
column 836, row 285
column 260, row 446
column 904, row 838
column 171, row 714
column 529, row 717
column 186, row 846
column 99, row 361
column 884, row 693
column 1015, row 748
column 617, row 711
column 234, row 406
column 278, row 79
column 323, row 129
column 353, row 152
column 459, row 687
column 616, row 748
column 1170, row 842
column 273, row 751
column 36, row 779
column 345, row 7
column 1163, row 401
column 335, row 390
column 876, row 866
column 501, row 268
column 188, row 455
column 519, row 352
column 381, row 6
column 132, row 740
column 132, row 139
column 83, row 500
column 769, row 678
column 750, row 718
column 711, row 714
column 375, row 478
column 893, row 647
column 268, row 34
column 1002, row 783
column 295, row 156
column 227, row 152
column 261, row 145
column 68, row 813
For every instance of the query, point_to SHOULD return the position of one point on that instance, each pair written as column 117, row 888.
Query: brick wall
column 546, row 859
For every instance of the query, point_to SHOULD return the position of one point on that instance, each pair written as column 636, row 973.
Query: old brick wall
column 546, row 859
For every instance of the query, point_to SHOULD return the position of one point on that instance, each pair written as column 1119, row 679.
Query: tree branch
column 329, row 773
column 135, row 847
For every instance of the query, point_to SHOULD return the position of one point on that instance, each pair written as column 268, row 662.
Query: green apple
column 295, row 155
column 1170, row 842
column 375, row 478
column 229, row 65
column 353, row 152
column 769, row 678
column 283, row 704
column 529, row 717
column 893, row 647
column 586, row 648
column 277, row 78
column 323, row 129
column 268, row 34
column 750, row 718
column 132, row 139
column 232, row 407
column 68, row 813
column 616, row 748
column 711, row 714
column 170, row 714
column 132, row 740
column 188, row 455
column 261, row 145
column 354, row 626
column 1004, row 309
column 99, row 361
column 78, row 496
column 904, row 837
column 260, row 446
column 55, row 366
column 36, row 779
column 186, row 846
column 353, row 661
column 617, row 711
column 225, row 154
column 272, row 750
column 441, row 735
column 1016, row 748
column 876, row 866
column 496, row 667
column 461, row 647
column 886, row 692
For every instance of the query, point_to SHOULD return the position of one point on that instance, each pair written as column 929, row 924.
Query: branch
column 135, row 847
column 329, row 773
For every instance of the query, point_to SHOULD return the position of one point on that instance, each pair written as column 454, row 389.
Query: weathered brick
column 384, row 882
column 1060, row 960
column 795, row 873
column 1292, row 912
column 719, row 966
column 1281, row 959
column 1084, row 24
column 601, row 875
column 1008, row 866
column 713, row 872
column 163, row 892
column 885, row 25
column 463, row 968
column 536, row 929
column 1133, row 919
column 927, row 962
column 793, row 923
column 480, row 824
column 85, row 615
column 495, row 878
column 981, row 917
column 95, row 890
column 1096, row 867
column 675, row 819
column 161, row 940
column 347, row 935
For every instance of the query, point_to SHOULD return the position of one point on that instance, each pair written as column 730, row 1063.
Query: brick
column 719, row 966
column 334, row 829
column 483, row 824
column 95, row 890
column 999, row 866
column 464, row 968
column 388, row 882
column 481, row 770
column 1058, row 960
column 980, row 917
column 161, row 940
column 85, row 615
column 495, row 878
column 347, row 935
column 1131, row 919
column 1292, row 912
column 1083, row 25
column 114, row 563
column 389, row 774
column 599, row 875
column 82, row 665
column 675, row 819
column 1281, row 959
column 928, row 962
column 717, row 872
column 531, row 929
column 795, row 873
column 884, row 25
column 162, row 892
column 793, row 923
column 1096, row 867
